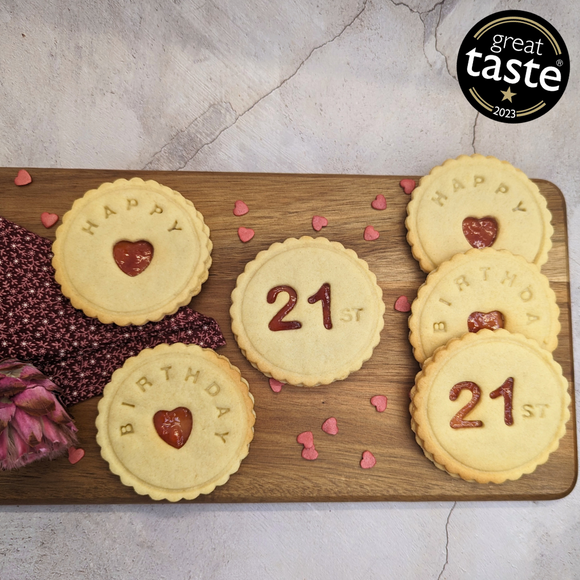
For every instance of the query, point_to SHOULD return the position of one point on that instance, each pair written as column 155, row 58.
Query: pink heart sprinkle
column 245, row 234
column 240, row 208
column 371, row 234
column 380, row 402
column 408, row 185
column 75, row 455
column 319, row 222
column 402, row 304
column 306, row 438
column 309, row 453
column 23, row 178
column 275, row 385
column 330, row 426
column 48, row 219
column 368, row 460
column 379, row 202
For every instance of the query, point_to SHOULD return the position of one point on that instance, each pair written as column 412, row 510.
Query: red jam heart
column 480, row 233
column 133, row 257
column 476, row 321
column 174, row 427
column 379, row 402
column 368, row 460
column 330, row 426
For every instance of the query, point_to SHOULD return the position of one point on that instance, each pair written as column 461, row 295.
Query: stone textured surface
column 326, row 86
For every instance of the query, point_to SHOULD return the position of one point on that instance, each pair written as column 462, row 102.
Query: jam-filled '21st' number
column 278, row 322
column 507, row 113
column 506, row 391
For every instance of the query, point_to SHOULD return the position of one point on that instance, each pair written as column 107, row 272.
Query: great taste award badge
column 513, row 66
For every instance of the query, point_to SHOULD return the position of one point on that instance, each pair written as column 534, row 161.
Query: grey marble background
column 323, row 86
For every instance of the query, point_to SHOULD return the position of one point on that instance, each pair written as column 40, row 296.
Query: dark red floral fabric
column 38, row 324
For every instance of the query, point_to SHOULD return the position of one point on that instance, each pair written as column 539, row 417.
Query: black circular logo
column 513, row 66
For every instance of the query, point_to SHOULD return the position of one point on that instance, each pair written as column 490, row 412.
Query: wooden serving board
column 282, row 206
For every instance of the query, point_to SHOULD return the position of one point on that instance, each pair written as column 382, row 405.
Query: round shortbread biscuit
column 307, row 311
column 490, row 407
column 477, row 188
column 131, row 212
column 481, row 282
column 161, row 381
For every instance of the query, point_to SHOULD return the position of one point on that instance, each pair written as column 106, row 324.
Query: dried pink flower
column 33, row 423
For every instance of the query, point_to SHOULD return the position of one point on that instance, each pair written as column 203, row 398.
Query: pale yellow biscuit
column 483, row 281
column 164, row 379
column 504, row 426
column 131, row 211
column 477, row 187
column 317, row 282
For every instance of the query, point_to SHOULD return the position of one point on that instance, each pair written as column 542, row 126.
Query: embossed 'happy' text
column 110, row 211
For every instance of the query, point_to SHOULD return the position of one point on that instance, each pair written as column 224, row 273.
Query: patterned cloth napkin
column 39, row 325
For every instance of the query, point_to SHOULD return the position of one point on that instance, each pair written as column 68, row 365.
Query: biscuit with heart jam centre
column 477, row 285
column 131, row 252
column 175, row 421
column 474, row 202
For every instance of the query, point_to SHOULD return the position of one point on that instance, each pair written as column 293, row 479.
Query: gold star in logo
column 508, row 94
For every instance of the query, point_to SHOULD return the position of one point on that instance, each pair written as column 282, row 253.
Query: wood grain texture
column 282, row 206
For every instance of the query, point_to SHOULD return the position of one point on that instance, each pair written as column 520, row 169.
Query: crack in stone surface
column 185, row 144
column 447, row 541
column 418, row 11
column 169, row 147
column 437, row 44
column 423, row 16
column 474, row 129
column 158, row 152
column 424, row 20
